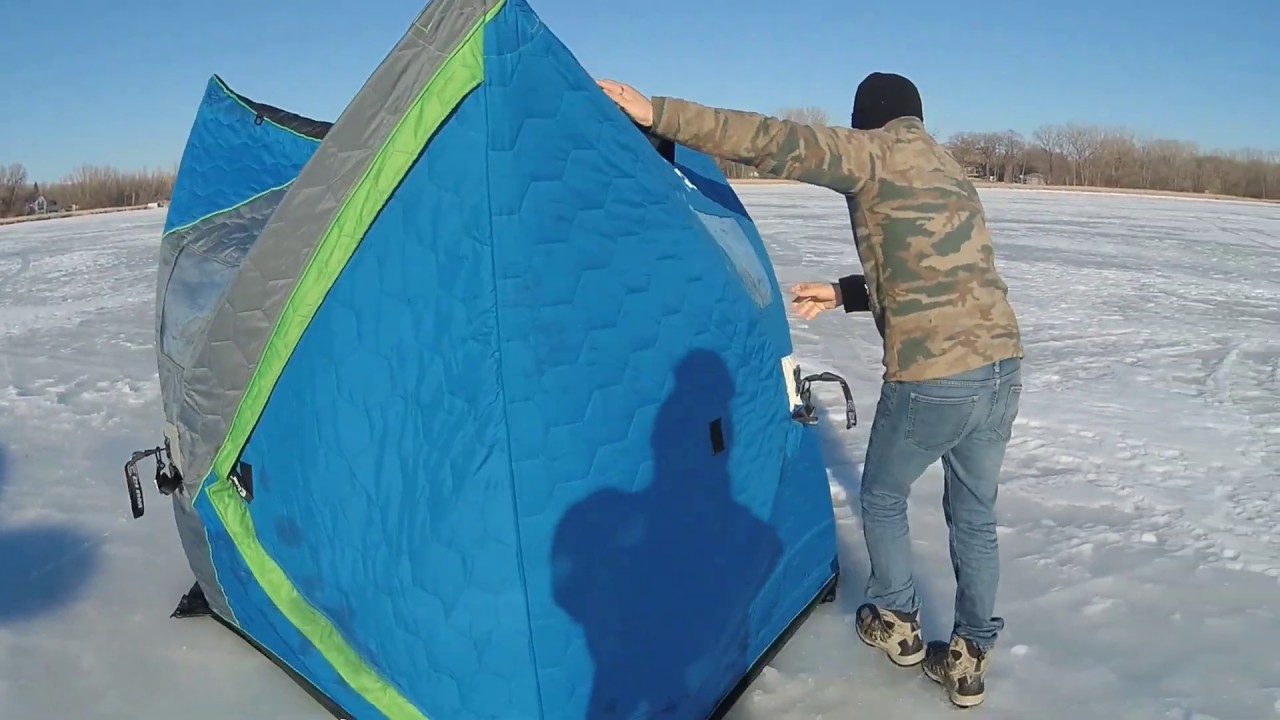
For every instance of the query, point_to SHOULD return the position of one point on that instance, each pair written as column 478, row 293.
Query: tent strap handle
column 807, row 413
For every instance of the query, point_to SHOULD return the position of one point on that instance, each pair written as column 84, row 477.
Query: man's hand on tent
column 630, row 101
column 811, row 298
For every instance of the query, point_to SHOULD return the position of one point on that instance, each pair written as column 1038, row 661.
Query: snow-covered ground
column 1140, row 513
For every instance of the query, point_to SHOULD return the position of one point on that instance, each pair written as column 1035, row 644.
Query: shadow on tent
column 644, row 572
column 43, row 567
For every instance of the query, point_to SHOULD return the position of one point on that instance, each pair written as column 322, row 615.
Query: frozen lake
column 1139, row 516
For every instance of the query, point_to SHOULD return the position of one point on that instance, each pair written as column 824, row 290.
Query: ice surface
column 1140, row 513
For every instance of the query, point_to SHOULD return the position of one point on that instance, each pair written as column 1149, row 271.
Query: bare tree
column 13, row 180
column 1048, row 140
column 982, row 154
column 1081, row 143
column 1011, row 154
column 807, row 115
column 965, row 148
column 91, row 186
column 1081, row 154
column 1116, row 160
column 87, row 187
column 1072, row 154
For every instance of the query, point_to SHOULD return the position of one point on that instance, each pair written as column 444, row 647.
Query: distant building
column 1034, row 179
column 42, row 205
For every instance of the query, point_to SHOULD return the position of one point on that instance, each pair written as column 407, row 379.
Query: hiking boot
column 959, row 667
column 897, row 633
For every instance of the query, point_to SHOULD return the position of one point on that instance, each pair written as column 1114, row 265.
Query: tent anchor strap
column 194, row 604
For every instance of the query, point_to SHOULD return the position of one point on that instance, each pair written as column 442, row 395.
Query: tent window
column 733, row 241
column 196, row 284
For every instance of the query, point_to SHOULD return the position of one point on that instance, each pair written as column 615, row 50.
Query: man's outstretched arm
column 836, row 158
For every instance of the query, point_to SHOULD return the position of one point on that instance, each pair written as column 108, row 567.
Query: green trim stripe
column 460, row 73
column 223, row 211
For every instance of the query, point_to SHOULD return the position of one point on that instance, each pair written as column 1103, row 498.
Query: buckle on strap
column 167, row 479
column 807, row 413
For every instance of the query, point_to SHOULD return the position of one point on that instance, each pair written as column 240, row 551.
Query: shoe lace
column 878, row 628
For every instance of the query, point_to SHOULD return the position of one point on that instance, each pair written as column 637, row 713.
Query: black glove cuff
column 853, row 292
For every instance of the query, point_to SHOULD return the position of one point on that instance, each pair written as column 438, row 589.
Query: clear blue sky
column 118, row 82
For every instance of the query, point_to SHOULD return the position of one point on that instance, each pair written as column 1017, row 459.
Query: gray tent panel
column 198, row 264
column 224, row 359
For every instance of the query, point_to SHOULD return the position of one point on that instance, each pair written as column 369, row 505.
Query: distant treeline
column 1069, row 155
column 89, row 187
column 1094, row 156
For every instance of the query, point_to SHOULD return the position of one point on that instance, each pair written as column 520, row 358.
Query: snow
column 1140, row 533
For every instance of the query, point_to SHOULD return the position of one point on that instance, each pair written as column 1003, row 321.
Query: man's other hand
column 811, row 298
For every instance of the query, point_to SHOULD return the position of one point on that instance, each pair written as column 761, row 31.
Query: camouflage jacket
column 918, row 224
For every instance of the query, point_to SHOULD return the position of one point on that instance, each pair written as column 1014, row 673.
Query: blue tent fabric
column 389, row 415
column 231, row 156
column 257, row 618
column 634, row 331
column 533, row 456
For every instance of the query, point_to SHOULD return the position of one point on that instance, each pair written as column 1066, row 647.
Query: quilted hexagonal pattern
column 657, row 570
column 234, row 158
column 532, row 458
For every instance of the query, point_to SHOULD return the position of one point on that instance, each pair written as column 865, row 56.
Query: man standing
column 952, row 347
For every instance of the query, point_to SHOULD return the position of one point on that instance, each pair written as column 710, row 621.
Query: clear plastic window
column 209, row 255
column 737, row 247
column 196, row 284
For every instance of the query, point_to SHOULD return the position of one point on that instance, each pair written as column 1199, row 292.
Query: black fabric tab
column 717, row 437
column 242, row 479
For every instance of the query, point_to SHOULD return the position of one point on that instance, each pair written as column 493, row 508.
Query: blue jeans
column 965, row 421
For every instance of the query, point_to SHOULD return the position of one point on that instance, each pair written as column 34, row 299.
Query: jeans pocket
column 935, row 423
column 1012, row 401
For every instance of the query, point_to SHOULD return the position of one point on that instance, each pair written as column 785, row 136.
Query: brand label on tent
column 241, row 477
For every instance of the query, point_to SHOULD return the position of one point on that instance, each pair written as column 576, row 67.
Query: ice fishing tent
column 480, row 408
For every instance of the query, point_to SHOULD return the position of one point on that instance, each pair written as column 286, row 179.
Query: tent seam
column 497, row 323
column 288, row 304
column 225, row 503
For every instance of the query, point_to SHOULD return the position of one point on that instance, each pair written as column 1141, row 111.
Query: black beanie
column 884, row 97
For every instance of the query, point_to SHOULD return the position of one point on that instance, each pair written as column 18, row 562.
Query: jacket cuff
column 853, row 293
column 666, row 117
